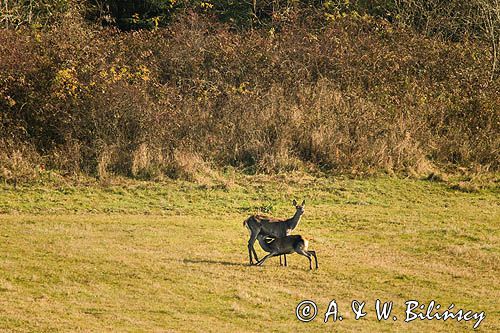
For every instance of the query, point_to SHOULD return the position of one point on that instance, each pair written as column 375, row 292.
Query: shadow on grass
column 216, row 262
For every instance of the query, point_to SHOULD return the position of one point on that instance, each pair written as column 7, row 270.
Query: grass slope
column 172, row 256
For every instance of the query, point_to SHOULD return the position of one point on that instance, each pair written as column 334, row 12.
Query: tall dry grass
column 357, row 95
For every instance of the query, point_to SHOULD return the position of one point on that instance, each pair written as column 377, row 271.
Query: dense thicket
column 343, row 90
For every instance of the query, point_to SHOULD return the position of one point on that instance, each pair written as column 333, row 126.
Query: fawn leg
column 306, row 254
column 260, row 262
column 315, row 258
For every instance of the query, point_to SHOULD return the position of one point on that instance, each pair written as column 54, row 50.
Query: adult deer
column 273, row 227
column 285, row 245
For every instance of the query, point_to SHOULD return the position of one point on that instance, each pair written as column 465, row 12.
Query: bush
column 359, row 95
column 17, row 13
column 132, row 15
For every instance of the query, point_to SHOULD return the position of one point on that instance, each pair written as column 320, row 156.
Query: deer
column 285, row 245
column 270, row 226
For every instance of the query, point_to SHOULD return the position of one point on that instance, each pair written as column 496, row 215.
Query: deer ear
column 294, row 202
column 303, row 203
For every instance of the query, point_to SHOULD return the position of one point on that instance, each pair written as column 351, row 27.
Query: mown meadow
column 172, row 256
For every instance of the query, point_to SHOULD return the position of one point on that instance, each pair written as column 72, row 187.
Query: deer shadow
column 213, row 262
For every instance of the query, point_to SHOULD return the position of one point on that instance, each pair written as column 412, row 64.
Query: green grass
column 171, row 256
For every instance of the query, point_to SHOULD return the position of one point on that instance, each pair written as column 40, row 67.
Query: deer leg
column 251, row 249
column 261, row 261
column 315, row 258
column 284, row 256
column 250, row 253
column 255, row 253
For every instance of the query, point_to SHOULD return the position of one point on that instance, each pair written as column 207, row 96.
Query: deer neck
column 294, row 221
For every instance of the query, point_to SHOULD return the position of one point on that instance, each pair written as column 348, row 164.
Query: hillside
column 341, row 88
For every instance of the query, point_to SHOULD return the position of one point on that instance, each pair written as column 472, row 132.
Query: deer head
column 299, row 208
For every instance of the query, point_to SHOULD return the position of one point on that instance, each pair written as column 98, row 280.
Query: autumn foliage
column 353, row 93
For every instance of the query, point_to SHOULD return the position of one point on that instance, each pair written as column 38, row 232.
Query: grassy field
column 171, row 256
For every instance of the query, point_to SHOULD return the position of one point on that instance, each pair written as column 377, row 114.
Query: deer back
column 275, row 227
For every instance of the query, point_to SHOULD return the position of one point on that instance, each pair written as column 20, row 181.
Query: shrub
column 358, row 95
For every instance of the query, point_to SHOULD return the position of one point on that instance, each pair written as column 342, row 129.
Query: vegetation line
column 166, row 89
